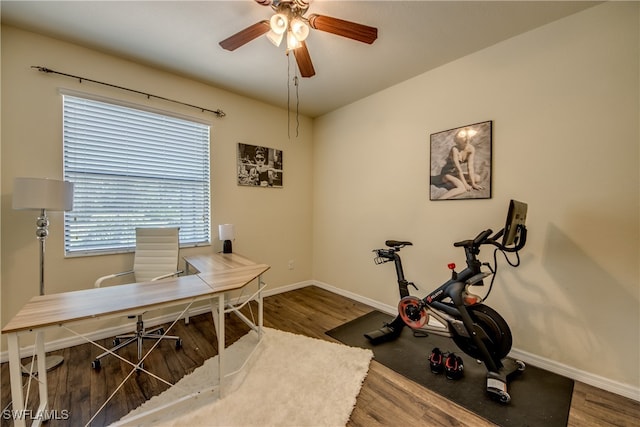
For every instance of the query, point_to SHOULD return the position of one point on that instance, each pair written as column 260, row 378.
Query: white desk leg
column 42, row 373
column 260, row 311
column 15, row 375
column 221, row 340
column 218, row 322
column 186, row 272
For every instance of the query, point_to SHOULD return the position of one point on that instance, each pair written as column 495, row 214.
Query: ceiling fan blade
column 304, row 61
column 340, row 27
column 245, row 36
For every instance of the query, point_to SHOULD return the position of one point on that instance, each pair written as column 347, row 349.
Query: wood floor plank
column 386, row 399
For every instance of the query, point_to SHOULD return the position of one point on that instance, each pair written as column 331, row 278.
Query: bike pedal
column 453, row 366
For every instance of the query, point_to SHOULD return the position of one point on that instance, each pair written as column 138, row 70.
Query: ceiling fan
column 289, row 21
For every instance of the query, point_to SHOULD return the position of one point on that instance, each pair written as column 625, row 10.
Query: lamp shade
column 292, row 41
column 279, row 23
column 275, row 38
column 226, row 231
column 42, row 193
column 299, row 29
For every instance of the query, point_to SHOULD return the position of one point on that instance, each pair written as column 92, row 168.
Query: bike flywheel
column 413, row 312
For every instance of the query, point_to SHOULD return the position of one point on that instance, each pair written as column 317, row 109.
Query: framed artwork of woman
column 259, row 166
column 461, row 163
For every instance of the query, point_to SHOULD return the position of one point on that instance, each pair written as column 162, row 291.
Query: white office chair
column 156, row 257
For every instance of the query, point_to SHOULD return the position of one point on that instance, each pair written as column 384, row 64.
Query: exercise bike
column 476, row 329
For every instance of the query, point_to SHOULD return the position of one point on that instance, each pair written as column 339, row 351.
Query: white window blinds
column 132, row 168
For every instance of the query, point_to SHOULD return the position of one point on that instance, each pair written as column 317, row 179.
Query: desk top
column 218, row 273
column 218, row 261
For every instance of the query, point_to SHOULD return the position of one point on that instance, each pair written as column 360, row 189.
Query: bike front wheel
column 498, row 338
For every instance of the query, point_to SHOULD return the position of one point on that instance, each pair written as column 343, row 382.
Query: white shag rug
column 291, row 380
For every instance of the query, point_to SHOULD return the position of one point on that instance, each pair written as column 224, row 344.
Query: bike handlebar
column 477, row 241
column 474, row 245
column 480, row 238
column 483, row 239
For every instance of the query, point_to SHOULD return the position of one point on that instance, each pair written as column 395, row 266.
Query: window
column 132, row 168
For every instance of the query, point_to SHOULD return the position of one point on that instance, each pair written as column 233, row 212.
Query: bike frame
column 454, row 316
column 451, row 316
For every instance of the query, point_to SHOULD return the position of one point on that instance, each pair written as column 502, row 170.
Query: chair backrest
column 156, row 254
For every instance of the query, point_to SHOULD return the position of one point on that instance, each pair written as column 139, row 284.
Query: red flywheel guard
column 408, row 303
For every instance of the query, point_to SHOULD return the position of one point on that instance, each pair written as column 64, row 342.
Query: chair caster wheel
column 95, row 364
column 160, row 331
column 521, row 365
column 116, row 341
column 178, row 343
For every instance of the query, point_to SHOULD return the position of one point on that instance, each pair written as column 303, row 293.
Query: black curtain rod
column 219, row 113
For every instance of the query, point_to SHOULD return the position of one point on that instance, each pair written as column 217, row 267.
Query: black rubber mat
column 538, row 397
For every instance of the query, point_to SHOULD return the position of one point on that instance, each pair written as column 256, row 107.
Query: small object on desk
column 227, row 234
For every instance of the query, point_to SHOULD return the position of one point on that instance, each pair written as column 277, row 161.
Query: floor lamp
column 44, row 195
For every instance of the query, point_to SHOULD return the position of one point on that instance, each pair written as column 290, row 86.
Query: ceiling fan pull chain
column 296, row 82
column 288, row 96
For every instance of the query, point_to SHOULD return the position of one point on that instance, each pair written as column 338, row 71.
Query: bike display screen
column 516, row 216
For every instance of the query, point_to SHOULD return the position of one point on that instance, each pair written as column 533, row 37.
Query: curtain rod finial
column 43, row 69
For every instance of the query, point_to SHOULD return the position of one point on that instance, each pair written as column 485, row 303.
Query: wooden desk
column 219, row 262
column 218, row 274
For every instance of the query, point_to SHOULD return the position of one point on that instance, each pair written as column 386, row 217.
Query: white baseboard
column 612, row 386
column 622, row 389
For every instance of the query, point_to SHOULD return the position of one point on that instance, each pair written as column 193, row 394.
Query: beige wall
column 564, row 104
column 272, row 225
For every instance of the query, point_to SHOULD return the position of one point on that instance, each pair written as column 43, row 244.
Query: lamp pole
column 42, row 194
column 42, row 231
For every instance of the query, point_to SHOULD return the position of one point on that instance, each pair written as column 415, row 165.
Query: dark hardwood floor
column 387, row 399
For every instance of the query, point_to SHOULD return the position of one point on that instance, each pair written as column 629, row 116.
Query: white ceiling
column 182, row 37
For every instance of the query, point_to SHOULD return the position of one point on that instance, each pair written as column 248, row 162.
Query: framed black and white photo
column 461, row 163
column 259, row 166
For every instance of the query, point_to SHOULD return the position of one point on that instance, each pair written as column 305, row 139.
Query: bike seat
column 396, row 243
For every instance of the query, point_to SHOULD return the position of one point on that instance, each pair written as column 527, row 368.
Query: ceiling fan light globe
column 292, row 41
column 299, row 29
column 275, row 38
column 279, row 23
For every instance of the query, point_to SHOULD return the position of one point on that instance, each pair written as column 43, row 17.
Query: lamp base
column 51, row 362
column 226, row 247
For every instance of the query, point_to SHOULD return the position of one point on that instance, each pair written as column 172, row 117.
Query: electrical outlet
column 291, row 264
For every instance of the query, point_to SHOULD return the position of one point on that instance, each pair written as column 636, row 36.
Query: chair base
column 138, row 337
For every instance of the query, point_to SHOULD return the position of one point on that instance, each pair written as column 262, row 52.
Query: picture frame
column 259, row 166
column 471, row 176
